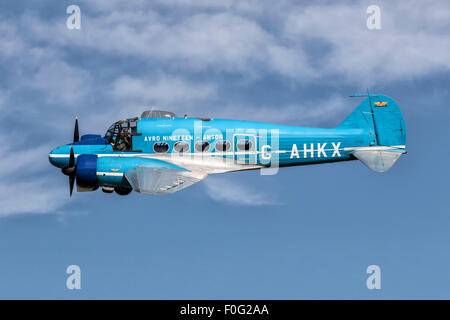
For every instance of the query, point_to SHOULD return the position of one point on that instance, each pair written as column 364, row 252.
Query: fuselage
column 160, row 153
column 215, row 146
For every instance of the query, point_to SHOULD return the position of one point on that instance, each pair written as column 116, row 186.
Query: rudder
column 386, row 127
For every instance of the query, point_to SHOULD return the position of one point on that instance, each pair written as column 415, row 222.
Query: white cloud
column 305, row 112
column 161, row 90
column 61, row 82
column 34, row 67
column 16, row 160
column 236, row 36
column 133, row 95
column 32, row 196
column 410, row 43
column 223, row 189
column 262, row 37
column 11, row 44
column 25, row 186
column 213, row 42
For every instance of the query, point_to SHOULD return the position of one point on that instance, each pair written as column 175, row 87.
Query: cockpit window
column 120, row 134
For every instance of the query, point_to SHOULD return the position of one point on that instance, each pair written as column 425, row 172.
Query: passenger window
column 222, row 145
column 202, row 146
column 181, row 146
column 244, row 145
column 160, row 147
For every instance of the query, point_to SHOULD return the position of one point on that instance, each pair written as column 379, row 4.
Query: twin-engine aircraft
column 159, row 153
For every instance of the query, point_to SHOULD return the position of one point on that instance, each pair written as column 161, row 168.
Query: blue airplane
column 159, row 153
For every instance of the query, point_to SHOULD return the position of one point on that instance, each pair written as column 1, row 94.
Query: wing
column 162, row 180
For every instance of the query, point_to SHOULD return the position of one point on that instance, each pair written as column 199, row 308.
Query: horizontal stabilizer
column 378, row 159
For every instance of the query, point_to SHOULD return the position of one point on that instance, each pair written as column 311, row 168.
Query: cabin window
column 202, row 146
column 223, row 145
column 161, row 147
column 181, row 146
column 244, row 145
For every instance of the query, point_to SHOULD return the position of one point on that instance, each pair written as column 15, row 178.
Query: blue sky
column 307, row 232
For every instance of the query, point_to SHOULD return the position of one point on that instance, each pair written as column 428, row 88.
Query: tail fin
column 386, row 128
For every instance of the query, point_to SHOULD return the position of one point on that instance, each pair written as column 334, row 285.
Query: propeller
column 71, row 169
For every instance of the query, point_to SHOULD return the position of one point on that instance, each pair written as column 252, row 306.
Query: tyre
column 122, row 191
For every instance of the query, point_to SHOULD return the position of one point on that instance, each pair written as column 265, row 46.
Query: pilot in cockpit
column 120, row 133
column 124, row 142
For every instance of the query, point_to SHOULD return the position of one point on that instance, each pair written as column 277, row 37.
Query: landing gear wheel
column 108, row 189
column 122, row 191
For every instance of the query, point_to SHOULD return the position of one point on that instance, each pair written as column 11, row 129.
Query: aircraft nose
column 55, row 159
column 51, row 157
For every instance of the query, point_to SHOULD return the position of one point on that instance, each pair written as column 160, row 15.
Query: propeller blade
column 71, row 182
column 71, row 158
column 76, row 134
column 71, row 170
